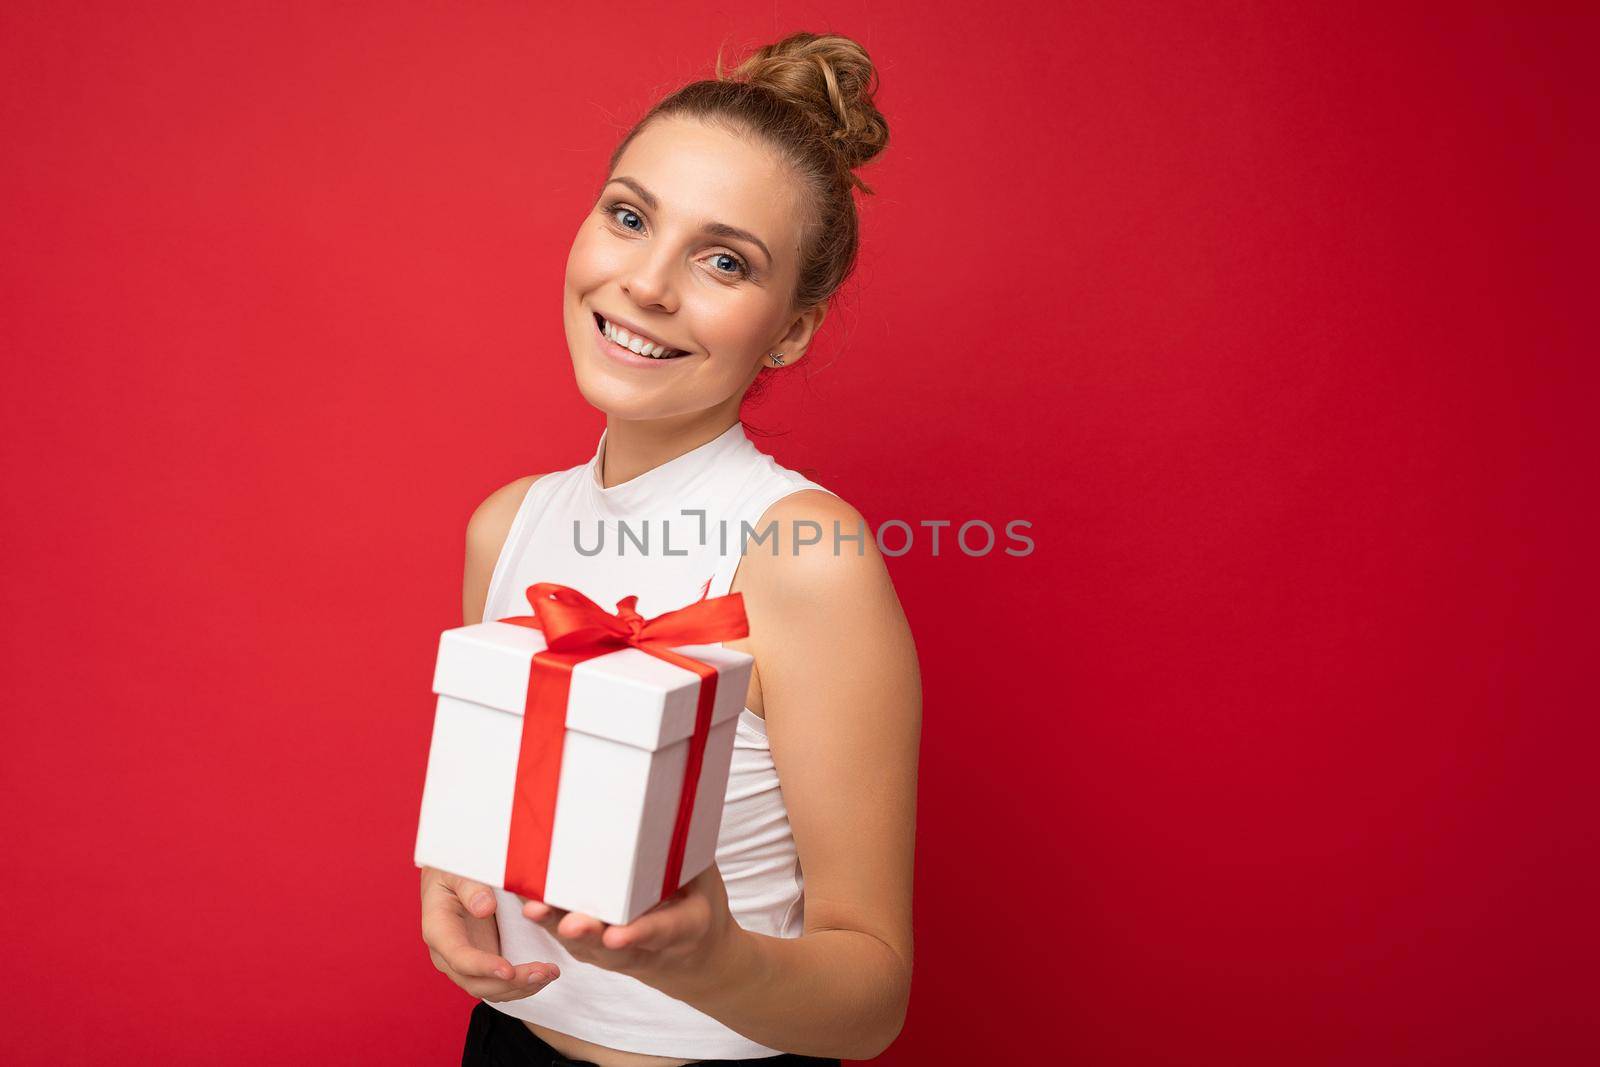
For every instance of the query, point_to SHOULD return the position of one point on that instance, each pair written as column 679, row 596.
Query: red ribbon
column 578, row 629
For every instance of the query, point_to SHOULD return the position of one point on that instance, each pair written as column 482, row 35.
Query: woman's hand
column 681, row 942
column 459, row 929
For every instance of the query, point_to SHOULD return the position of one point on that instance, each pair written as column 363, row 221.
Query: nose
column 649, row 280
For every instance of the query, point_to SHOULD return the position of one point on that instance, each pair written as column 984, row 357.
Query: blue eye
column 741, row 269
column 739, row 266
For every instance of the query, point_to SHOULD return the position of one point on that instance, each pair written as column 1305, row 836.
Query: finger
column 496, row 990
column 535, row 973
column 529, row 979
column 546, row 916
column 618, row 938
column 538, row 910
column 519, row 992
column 529, row 973
column 654, row 930
column 470, row 962
column 445, row 932
column 577, row 926
column 476, row 897
column 683, row 917
column 444, row 929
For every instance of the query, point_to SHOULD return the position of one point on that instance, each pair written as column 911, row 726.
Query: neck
column 636, row 446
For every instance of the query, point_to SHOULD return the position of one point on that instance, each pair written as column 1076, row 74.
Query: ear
column 797, row 340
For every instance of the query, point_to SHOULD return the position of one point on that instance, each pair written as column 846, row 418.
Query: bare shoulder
column 820, row 581
column 491, row 520
column 486, row 535
column 816, row 546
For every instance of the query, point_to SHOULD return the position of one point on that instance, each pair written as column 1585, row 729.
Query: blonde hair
column 809, row 97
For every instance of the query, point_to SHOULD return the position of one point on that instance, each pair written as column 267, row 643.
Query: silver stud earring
column 777, row 359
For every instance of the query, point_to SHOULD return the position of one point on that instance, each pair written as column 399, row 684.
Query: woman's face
column 694, row 243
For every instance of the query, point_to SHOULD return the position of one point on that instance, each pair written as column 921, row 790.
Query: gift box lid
column 627, row 695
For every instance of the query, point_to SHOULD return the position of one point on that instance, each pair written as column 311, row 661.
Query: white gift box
column 630, row 716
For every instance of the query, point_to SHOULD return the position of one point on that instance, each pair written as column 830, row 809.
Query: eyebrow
column 716, row 229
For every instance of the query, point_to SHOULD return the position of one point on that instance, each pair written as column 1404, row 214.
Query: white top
column 563, row 519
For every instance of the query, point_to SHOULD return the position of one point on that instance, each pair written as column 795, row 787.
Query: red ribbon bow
column 578, row 629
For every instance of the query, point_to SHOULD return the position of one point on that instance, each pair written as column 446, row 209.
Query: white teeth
column 638, row 345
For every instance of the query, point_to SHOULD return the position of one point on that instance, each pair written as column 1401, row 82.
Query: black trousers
column 495, row 1039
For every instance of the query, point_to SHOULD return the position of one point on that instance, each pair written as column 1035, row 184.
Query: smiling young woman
column 725, row 225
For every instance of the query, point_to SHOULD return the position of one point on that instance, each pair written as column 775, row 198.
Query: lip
column 615, row 352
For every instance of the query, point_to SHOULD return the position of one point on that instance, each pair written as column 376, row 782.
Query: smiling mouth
column 599, row 320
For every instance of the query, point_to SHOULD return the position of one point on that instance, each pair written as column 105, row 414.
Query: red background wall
column 1265, row 316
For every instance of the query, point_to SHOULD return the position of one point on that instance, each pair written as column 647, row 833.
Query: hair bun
column 832, row 79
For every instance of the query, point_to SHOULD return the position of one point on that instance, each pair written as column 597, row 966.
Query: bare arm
column 842, row 695
column 486, row 534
